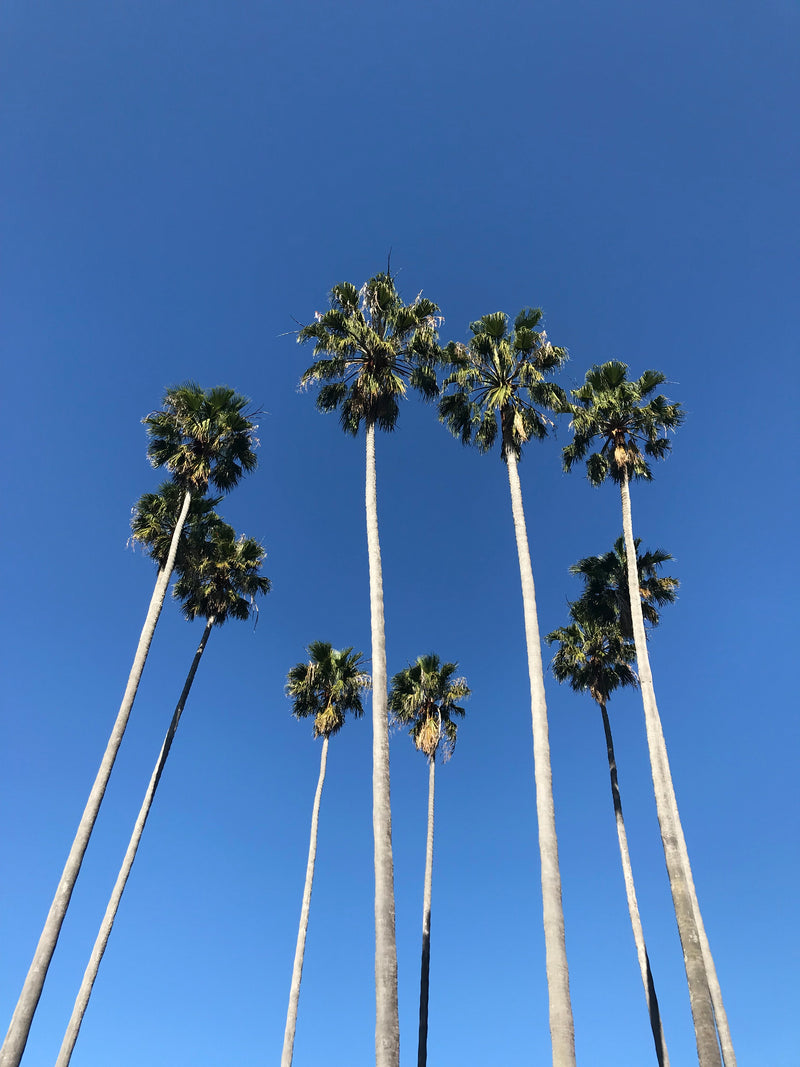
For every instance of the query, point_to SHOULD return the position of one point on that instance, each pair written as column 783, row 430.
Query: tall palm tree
column 219, row 582
column 424, row 695
column 630, row 425
column 369, row 347
column 497, row 392
column 327, row 688
column 204, row 438
column 594, row 657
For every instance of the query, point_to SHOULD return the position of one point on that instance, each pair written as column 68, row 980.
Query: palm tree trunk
column 633, row 905
column 720, row 1015
column 85, row 991
column 667, row 809
column 562, row 1030
column 17, row 1036
column 387, row 1022
column 299, row 952
column 424, row 979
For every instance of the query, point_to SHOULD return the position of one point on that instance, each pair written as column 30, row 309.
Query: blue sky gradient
column 181, row 187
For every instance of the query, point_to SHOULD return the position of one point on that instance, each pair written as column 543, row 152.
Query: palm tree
column 631, row 426
column 497, row 391
column 369, row 347
column 204, row 438
column 605, row 591
column 219, row 582
column 594, row 657
column 327, row 687
column 424, row 695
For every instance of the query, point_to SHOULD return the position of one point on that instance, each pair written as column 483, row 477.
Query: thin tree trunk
column 299, row 952
column 633, row 905
column 667, row 809
column 17, row 1036
column 562, row 1030
column 425, row 972
column 387, row 1022
column 85, row 991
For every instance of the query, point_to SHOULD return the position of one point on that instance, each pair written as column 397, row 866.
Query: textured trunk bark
column 562, row 1031
column 17, row 1036
column 633, row 905
column 425, row 970
column 667, row 809
column 387, row 1022
column 299, row 952
column 85, row 991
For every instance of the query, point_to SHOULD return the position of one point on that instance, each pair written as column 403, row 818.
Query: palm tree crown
column 155, row 515
column 497, row 383
column 425, row 695
column 327, row 687
column 368, row 345
column 592, row 656
column 605, row 595
column 615, row 411
column 220, row 578
column 202, row 437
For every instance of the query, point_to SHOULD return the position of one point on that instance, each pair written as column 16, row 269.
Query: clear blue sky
column 182, row 184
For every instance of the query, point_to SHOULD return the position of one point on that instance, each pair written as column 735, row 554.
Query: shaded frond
column 605, row 596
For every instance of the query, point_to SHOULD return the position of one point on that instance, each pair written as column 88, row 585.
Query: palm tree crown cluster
column 494, row 392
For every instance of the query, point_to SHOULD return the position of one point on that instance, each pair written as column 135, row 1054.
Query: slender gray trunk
column 633, row 905
column 17, row 1036
column 299, row 952
column 425, row 971
column 387, row 1022
column 667, row 810
column 562, row 1030
column 85, row 991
